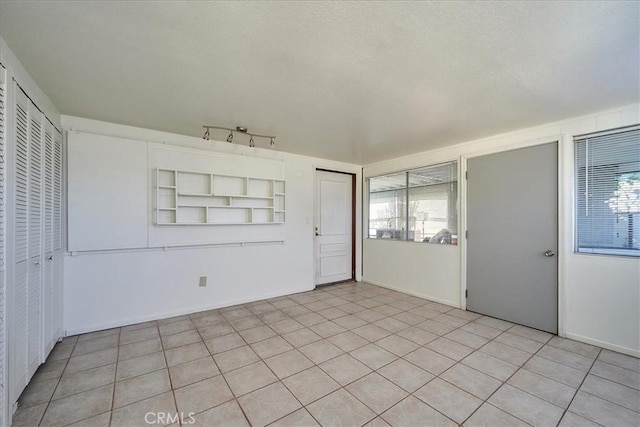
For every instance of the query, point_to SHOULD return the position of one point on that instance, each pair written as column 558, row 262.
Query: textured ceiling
column 351, row 81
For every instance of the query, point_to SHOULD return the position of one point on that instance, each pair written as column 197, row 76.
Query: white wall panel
column 427, row 271
column 107, row 192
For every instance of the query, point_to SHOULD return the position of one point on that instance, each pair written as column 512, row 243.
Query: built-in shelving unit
column 196, row 198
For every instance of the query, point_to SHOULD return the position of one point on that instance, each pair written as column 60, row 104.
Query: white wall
column 430, row 271
column 599, row 296
column 116, row 288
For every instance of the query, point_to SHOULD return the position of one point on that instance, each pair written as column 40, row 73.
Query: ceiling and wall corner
column 358, row 82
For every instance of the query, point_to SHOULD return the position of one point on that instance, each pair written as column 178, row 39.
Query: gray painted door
column 512, row 223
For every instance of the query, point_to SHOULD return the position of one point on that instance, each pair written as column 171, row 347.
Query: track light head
column 251, row 142
column 206, row 135
column 230, row 137
column 272, row 144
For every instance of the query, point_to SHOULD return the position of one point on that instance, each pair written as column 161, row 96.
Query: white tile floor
column 348, row 354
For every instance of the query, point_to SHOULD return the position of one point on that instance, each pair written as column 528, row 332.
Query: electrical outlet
column 203, row 281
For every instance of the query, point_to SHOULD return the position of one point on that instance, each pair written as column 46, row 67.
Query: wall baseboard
column 166, row 315
column 603, row 344
column 415, row 294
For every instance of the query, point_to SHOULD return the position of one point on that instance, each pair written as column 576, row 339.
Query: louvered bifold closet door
column 21, row 243
column 57, row 235
column 36, row 119
column 47, row 283
column 3, row 235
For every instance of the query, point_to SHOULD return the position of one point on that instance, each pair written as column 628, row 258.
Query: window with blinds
column 418, row 205
column 608, row 192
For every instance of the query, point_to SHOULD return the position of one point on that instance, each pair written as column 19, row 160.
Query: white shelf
column 240, row 196
column 216, row 223
column 217, row 199
column 195, row 194
column 219, row 207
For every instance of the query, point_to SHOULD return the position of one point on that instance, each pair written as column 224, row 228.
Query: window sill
column 635, row 253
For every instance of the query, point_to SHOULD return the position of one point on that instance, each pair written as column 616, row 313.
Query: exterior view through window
column 419, row 205
column 608, row 192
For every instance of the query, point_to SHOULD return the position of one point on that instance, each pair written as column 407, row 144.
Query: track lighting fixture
column 239, row 129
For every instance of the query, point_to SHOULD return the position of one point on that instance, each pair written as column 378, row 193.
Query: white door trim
column 565, row 212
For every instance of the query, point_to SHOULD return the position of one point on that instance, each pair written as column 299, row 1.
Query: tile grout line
column 166, row 362
column 468, row 321
column 235, row 398
column 341, row 294
column 280, row 380
column 344, row 387
column 115, row 377
column 506, row 382
column 580, row 386
column 57, row 384
column 412, row 394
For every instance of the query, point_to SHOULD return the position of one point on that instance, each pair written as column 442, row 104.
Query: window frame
column 406, row 190
column 585, row 250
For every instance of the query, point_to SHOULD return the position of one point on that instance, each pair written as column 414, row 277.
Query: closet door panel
column 47, row 282
column 19, row 349
column 21, row 180
column 57, row 235
column 35, row 238
column 48, row 184
column 3, row 237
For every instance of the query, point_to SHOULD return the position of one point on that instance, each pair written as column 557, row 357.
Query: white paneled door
column 333, row 225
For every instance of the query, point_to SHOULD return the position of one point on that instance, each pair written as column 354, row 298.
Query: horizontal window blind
column 608, row 192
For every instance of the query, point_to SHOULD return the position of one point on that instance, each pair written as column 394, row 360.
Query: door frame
column 353, row 221
column 565, row 212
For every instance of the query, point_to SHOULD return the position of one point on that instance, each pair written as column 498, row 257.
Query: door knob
column 549, row 253
column 317, row 232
